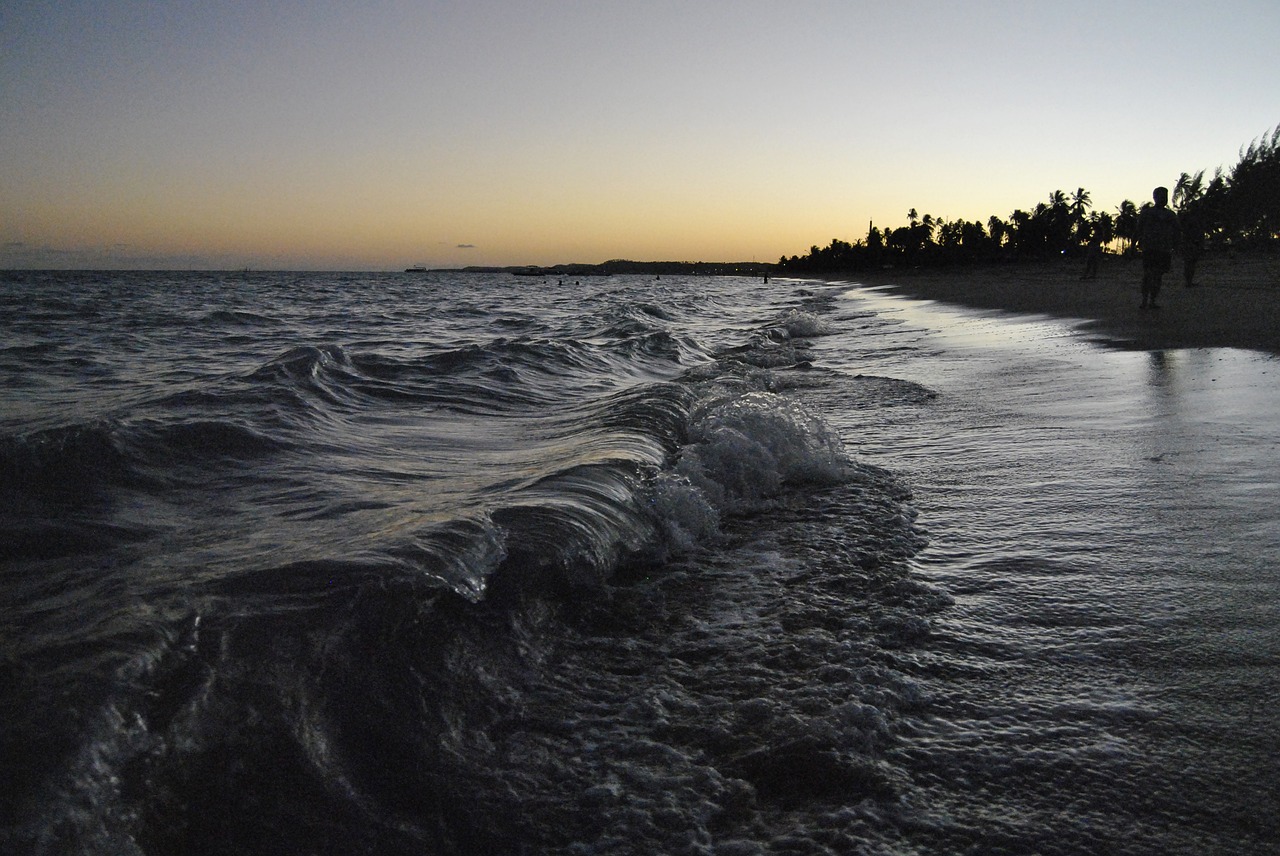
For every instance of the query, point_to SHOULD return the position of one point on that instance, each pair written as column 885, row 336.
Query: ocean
column 446, row 563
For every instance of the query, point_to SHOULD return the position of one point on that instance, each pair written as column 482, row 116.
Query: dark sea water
column 469, row 564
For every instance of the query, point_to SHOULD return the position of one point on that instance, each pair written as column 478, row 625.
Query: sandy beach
column 1235, row 302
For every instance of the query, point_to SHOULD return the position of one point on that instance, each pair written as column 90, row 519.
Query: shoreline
column 1234, row 304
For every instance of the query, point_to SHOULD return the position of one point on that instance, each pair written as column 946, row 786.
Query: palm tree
column 1080, row 204
column 1188, row 189
column 1019, row 230
column 997, row 228
column 1126, row 226
column 1102, row 226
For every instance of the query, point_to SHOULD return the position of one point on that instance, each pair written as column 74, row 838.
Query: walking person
column 1157, row 238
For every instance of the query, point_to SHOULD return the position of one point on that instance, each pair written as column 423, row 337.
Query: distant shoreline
column 618, row 267
column 1235, row 303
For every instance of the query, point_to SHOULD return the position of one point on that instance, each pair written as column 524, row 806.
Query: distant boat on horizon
column 416, row 269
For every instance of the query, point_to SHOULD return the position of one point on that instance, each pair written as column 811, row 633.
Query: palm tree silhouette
column 997, row 228
column 1126, row 225
column 1102, row 226
column 1188, row 189
column 1080, row 204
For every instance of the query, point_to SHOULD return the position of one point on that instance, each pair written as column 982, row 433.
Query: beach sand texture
column 1235, row 302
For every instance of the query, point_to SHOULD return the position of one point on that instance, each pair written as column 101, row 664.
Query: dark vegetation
column 1238, row 209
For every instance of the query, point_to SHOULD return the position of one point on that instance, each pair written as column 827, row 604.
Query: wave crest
column 745, row 449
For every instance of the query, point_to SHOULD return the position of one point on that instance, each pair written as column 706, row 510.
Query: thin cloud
column 466, row 246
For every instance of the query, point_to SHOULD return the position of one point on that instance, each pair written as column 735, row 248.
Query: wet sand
column 1235, row 302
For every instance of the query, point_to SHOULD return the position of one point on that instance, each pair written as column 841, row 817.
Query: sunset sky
column 380, row 134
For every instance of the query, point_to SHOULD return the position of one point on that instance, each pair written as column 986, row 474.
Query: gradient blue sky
column 380, row 134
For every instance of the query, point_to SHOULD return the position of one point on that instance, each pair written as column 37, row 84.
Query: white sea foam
column 747, row 447
column 804, row 325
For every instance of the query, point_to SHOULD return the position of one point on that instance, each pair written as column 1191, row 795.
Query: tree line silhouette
column 1234, row 209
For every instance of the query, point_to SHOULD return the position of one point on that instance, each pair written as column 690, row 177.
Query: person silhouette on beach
column 1092, row 255
column 1157, row 237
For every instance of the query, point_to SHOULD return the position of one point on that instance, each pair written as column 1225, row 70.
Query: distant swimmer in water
column 1157, row 237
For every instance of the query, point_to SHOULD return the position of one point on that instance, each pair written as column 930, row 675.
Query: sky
column 376, row 135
